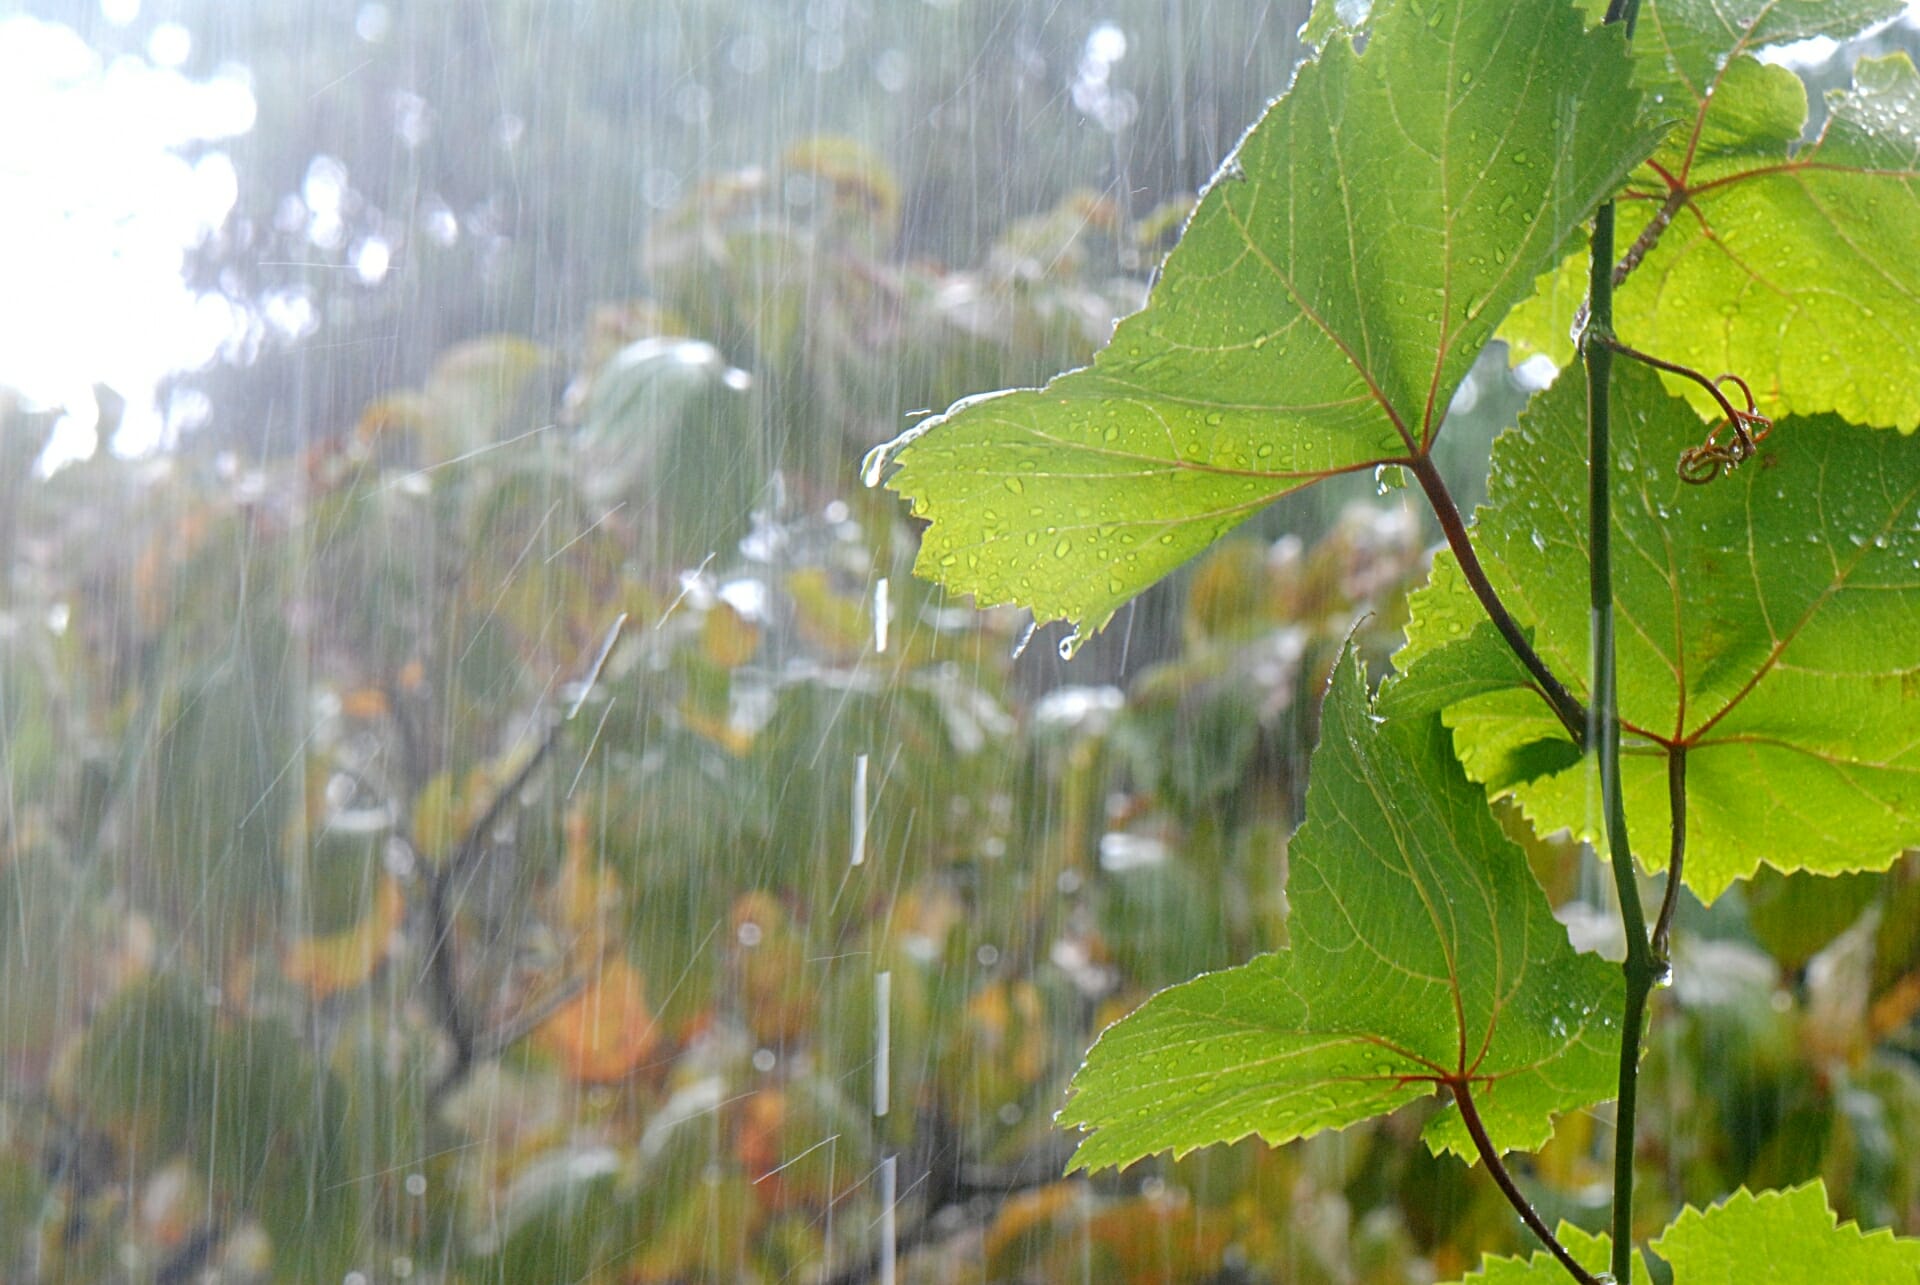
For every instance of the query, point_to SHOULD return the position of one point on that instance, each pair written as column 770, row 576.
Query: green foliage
column 1768, row 625
column 1589, row 1250
column 667, row 434
column 1412, row 906
column 243, row 1101
column 1785, row 1236
column 1370, row 232
column 1765, row 623
column 256, row 713
column 369, row 958
column 1788, row 263
column 1794, row 916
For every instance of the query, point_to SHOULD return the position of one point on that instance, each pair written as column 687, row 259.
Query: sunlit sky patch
column 98, row 204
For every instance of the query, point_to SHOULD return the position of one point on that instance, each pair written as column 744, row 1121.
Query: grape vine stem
column 1641, row 968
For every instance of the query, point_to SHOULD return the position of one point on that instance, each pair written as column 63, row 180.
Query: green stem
column 1603, row 708
column 1603, row 732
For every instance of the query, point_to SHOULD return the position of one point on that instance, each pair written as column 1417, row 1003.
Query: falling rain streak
column 882, row 1042
column 889, row 1231
column 858, row 819
column 425, row 917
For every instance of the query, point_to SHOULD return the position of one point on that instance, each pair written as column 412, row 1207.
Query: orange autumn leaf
column 1028, row 1219
column 1060, row 1231
column 760, row 1133
column 364, row 703
column 1154, row 1238
column 328, row 963
column 607, row 1031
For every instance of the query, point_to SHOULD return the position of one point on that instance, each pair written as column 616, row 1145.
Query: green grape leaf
column 1423, row 956
column 1768, row 625
column 1684, row 48
column 1478, row 661
column 1332, row 289
column 1793, row 265
column 1591, row 1251
column 1784, row 1238
column 1330, row 18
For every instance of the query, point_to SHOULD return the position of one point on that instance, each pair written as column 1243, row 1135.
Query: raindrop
column 882, row 613
column 871, row 466
column 889, row 1235
column 877, row 459
column 859, row 819
column 882, row 1039
column 1026, row 635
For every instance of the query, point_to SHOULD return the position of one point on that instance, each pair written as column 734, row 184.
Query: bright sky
column 97, row 205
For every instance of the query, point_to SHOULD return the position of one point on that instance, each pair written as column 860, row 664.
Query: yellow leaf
column 333, row 962
column 838, row 628
column 727, row 638
column 433, row 819
column 718, row 729
column 858, row 180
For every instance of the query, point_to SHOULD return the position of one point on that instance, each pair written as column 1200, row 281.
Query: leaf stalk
column 1490, row 1157
column 1676, row 855
column 1566, row 707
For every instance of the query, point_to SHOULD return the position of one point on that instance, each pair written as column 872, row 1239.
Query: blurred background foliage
column 367, row 918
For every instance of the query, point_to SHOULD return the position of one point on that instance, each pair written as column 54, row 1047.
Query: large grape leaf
column 1330, row 292
column 1423, row 956
column 1782, row 1237
column 1768, row 627
column 1683, row 49
column 1795, row 266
